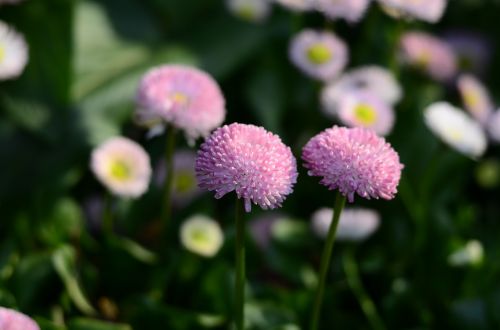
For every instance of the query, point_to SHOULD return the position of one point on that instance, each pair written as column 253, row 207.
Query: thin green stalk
column 169, row 177
column 354, row 281
column 325, row 259
column 239, row 292
column 107, row 215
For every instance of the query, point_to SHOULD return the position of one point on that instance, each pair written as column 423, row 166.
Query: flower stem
column 239, row 292
column 354, row 281
column 107, row 215
column 325, row 259
column 169, row 177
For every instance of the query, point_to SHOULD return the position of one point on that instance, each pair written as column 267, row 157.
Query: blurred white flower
column 122, row 166
column 13, row 52
column 297, row 5
column 250, row 10
column 355, row 224
column 456, row 129
column 350, row 10
column 476, row 97
column 426, row 10
column 373, row 79
column 201, row 235
column 493, row 126
column 470, row 254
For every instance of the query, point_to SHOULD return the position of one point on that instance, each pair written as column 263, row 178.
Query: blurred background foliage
column 86, row 58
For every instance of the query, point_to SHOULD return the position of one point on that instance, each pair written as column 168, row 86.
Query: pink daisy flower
column 320, row 55
column 249, row 160
column 350, row 10
column 364, row 109
column 494, row 126
column 430, row 54
column 353, row 160
column 476, row 97
column 14, row 320
column 426, row 10
column 185, row 97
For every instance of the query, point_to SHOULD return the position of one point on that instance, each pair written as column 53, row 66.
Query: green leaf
column 91, row 324
column 63, row 223
column 137, row 251
column 64, row 260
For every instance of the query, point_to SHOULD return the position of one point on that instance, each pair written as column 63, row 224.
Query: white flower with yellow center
column 250, row 10
column 201, row 235
column 475, row 97
column 470, row 254
column 456, row 129
column 13, row 52
column 122, row 166
column 297, row 5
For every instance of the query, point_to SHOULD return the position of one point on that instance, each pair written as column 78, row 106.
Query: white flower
column 350, row 10
column 456, row 129
column 475, row 97
column 470, row 254
column 250, row 10
column 122, row 166
column 355, row 224
column 426, row 10
column 373, row 79
column 201, row 235
column 13, row 52
column 297, row 5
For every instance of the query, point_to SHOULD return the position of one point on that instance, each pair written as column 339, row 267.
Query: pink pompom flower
column 185, row 97
column 319, row 54
column 430, row 54
column 426, row 10
column 475, row 97
column 14, row 320
column 350, row 10
column 249, row 160
column 353, row 160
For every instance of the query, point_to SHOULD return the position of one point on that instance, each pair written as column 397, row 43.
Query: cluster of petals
column 13, row 52
column 248, row 160
column 182, row 96
column 475, row 97
column 355, row 224
column 431, row 54
column 14, row 320
column 250, row 10
column 350, row 10
column 456, row 128
column 426, row 10
column 319, row 54
column 123, row 166
column 353, row 160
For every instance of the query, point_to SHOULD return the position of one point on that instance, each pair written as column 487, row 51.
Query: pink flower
column 426, row 10
column 430, row 54
column 476, row 97
column 182, row 96
column 494, row 126
column 14, row 320
column 350, row 10
column 353, row 160
column 249, row 160
column 365, row 109
column 320, row 55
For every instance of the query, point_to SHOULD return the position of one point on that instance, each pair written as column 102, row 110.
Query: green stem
column 325, row 259
column 354, row 281
column 169, row 177
column 239, row 292
column 107, row 215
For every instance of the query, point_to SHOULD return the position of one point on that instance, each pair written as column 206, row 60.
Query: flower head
column 13, row 52
column 353, row 160
column 184, row 185
column 456, row 128
column 470, row 254
column 364, row 109
column 355, row 224
column 249, row 160
column 426, row 10
column 182, row 96
column 201, row 235
column 430, row 54
column 493, row 126
column 14, row 320
column 297, row 5
column 475, row 97
column 320, row 55
column 350, row 10
column 250, row 10
column 122, row 166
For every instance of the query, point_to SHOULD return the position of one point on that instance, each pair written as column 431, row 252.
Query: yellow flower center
column 365, row 114
column 424, row 59
column 471, row 98
column 2, row 53
column 200, row 236
column 455, row 134
column 180, row 98
column 184, row 181
column 246, row 12
column 119, row 170
column 319, row 54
